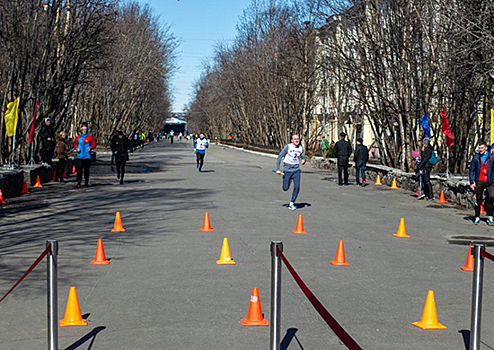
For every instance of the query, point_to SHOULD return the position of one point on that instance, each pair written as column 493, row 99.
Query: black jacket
column 120, row 147
column 343, row 150
column 425, row 156
column 361, row 155
column 47, row 132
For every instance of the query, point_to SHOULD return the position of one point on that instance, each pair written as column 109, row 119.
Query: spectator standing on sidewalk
column 361, row 157
column 343, row 150
column 424, row 169
column 62, row 155
column 416, row 161
column 84, row 144
column 47, row 135
column 481, row 179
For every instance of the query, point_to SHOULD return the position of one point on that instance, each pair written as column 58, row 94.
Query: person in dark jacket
column 47, row 135
column 343, row 150
column 481, row 179
column 424, row 169
column 62, row 155
column 361, row 157
column 120, row 148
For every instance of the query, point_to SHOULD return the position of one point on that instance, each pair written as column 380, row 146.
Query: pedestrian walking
column 172, row 134
column 343, row 150
column 84, row 144
column 482, row 179
column 361, row 157
column 62, row 155
column 292, row 155
column 47, row 135
column 120, row 148
column 200, row 146
column 324, row 147
column 112, row 159
column 425, row 167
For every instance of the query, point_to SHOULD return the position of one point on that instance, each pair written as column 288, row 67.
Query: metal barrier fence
column 276, row 258
column 51, row 251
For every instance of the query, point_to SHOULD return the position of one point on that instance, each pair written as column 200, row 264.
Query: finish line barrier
column 276, row 255
column 478, row 284
column 51, row 251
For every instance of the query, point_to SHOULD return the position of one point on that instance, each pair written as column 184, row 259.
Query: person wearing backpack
column 481, row 179
column 428, row 159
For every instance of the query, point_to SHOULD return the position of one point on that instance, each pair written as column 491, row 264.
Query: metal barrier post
column 478, row 282
column 52, row 294
column 275, row 295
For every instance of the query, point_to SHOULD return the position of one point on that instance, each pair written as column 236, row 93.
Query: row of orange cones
column 73, row 315
column 429, row 319
column 394, row 186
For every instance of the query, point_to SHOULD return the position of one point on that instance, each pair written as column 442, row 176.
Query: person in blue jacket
column 84, row 144
column 482, row 179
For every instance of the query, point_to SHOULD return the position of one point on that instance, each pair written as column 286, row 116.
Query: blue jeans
column 360, row 173
column 287, row 180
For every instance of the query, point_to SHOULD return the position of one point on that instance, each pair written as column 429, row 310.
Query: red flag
column 446, row 130
column 31, row 133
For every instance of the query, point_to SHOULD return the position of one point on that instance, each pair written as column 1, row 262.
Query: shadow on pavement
column 289, row 336
column 466, row 338
column 90, row 336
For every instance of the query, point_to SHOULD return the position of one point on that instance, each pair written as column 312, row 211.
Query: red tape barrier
column 486, row 255
column 47, row 250
column 332, row 323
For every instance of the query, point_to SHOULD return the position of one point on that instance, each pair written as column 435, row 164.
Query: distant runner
column 292, row 155
column 200, row 145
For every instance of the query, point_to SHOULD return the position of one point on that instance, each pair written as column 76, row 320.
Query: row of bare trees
column 261, row 87
column 376, row 62
column 105, row 62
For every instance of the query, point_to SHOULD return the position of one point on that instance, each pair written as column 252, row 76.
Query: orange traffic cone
column 206, row 224
column 299, row 229
column 73, row 169
column 429, row 315
column 54, row 176
column 24, row 188
column 378, row 181
column 73, row 315
column 417, row 194
column 38, row 182
column 469, row 263
column 393, row 185
column 339, row 259
column 402, row 232
column 254, row 315
column 2, row 202
column 100, row 258
column 117, row 227
column 482, row 210
column 225, row 257
column 442, row 200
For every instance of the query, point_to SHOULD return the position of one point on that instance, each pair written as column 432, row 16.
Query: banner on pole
column 11, row 117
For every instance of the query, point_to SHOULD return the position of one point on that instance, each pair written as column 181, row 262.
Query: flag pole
column 447, row 162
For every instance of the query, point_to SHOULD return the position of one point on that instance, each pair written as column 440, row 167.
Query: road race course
column 163, row 289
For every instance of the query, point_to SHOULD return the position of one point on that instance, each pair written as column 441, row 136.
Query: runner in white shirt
column 292, row 155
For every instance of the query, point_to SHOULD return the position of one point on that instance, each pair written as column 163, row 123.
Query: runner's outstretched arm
column 282, row 154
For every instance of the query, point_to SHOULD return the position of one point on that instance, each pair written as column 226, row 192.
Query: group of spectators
column 55, row 145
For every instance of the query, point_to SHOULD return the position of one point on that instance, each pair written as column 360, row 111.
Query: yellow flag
column 492, row 126
column 11, row 117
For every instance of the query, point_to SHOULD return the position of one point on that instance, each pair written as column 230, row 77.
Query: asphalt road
column 163, row 289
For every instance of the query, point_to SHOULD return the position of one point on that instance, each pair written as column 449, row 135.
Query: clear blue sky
column 198, row 24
